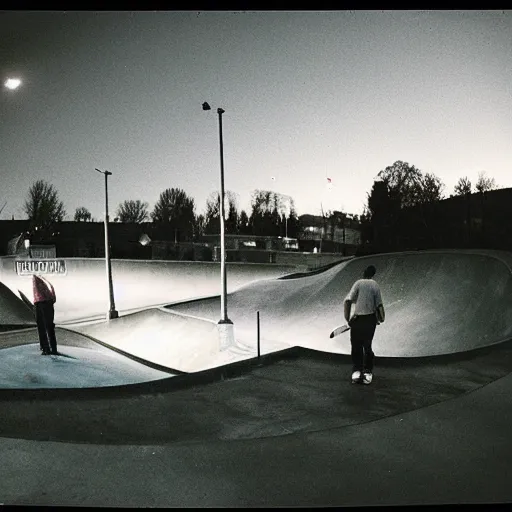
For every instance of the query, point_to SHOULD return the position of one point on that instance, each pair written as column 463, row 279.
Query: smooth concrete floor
column 291, row 433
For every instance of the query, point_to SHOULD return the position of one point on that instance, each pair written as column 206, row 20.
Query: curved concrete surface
column 80, row 363
column 24, row 367
column 437, row 302
column 171, row 339
column 82, row 292
column 429, row 430
column 290, row 434
column 161, row 337
column 13, row 312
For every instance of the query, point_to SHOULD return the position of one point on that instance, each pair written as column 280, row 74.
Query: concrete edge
column 173, row 383
column 184, row 380
column 154, row 366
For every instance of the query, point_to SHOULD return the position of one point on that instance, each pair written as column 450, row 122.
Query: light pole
column 225, row 324
column 112, row 313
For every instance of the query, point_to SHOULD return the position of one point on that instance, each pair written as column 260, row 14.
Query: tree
column 407, row 185
column 243, row 223
column 392, row 203
column 42, row 206
column 381, row 213
column 484, row 184
column 267, row 210
column 82, row 214
column 231, row 212
column 401, row 180
column 200, row 225
column 295, row 227
column 212, row 214
column 175, row 210
column 463, row 187
column 366, row 227
column 132, row 211
column 429, row 189
column 293, row 223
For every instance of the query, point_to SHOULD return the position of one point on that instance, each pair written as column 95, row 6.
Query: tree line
column 402, row 207
column 272, row 214
column 400, row 203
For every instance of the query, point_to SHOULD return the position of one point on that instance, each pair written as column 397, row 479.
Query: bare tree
column 212, row 214
column 463, row 187
column 42, row 206
column 484, row 184
column 82, row 214
column 135, row 211
column 199, row 225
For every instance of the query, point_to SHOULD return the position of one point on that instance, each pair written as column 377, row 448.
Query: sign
column 30, row 267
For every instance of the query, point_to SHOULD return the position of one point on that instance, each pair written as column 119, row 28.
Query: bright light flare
column 12, row 83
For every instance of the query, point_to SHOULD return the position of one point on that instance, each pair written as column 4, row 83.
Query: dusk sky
column 307, row 96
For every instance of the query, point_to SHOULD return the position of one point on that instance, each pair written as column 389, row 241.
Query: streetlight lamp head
column 220, row 111
column 107, row 173
column 206, row 106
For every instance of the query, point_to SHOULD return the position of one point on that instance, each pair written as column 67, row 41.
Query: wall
column 83, row 291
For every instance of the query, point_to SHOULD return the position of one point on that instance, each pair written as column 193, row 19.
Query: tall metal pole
column 112, row 313
column 225, row 326
column 223, row 298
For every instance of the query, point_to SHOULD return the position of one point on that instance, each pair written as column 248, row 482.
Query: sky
column 307, row 96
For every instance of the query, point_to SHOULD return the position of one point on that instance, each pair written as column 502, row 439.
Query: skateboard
column 339, row 330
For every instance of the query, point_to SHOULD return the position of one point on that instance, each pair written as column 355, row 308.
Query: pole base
column 112, row 314
column 226, row 334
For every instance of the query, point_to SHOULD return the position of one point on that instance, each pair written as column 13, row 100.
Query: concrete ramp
column 82, row 291
column 162, row 337
column 437, row 302
column 13, row 311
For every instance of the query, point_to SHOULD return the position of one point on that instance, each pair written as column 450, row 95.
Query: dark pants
column 45, row 326
column 362, row 329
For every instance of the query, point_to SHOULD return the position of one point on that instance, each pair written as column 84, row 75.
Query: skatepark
column 148, row 410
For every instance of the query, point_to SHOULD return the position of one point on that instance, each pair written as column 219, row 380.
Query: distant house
column 320, row 234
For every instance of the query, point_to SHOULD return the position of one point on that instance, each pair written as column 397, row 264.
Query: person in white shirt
column 368, row 313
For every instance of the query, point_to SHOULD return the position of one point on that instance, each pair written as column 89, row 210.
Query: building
column 321, row 234
column 69, row 239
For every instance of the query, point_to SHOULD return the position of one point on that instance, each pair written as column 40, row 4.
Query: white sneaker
column 367, row 378
column 356, row 376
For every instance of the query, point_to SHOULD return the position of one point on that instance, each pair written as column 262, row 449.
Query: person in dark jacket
column 44, row 299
